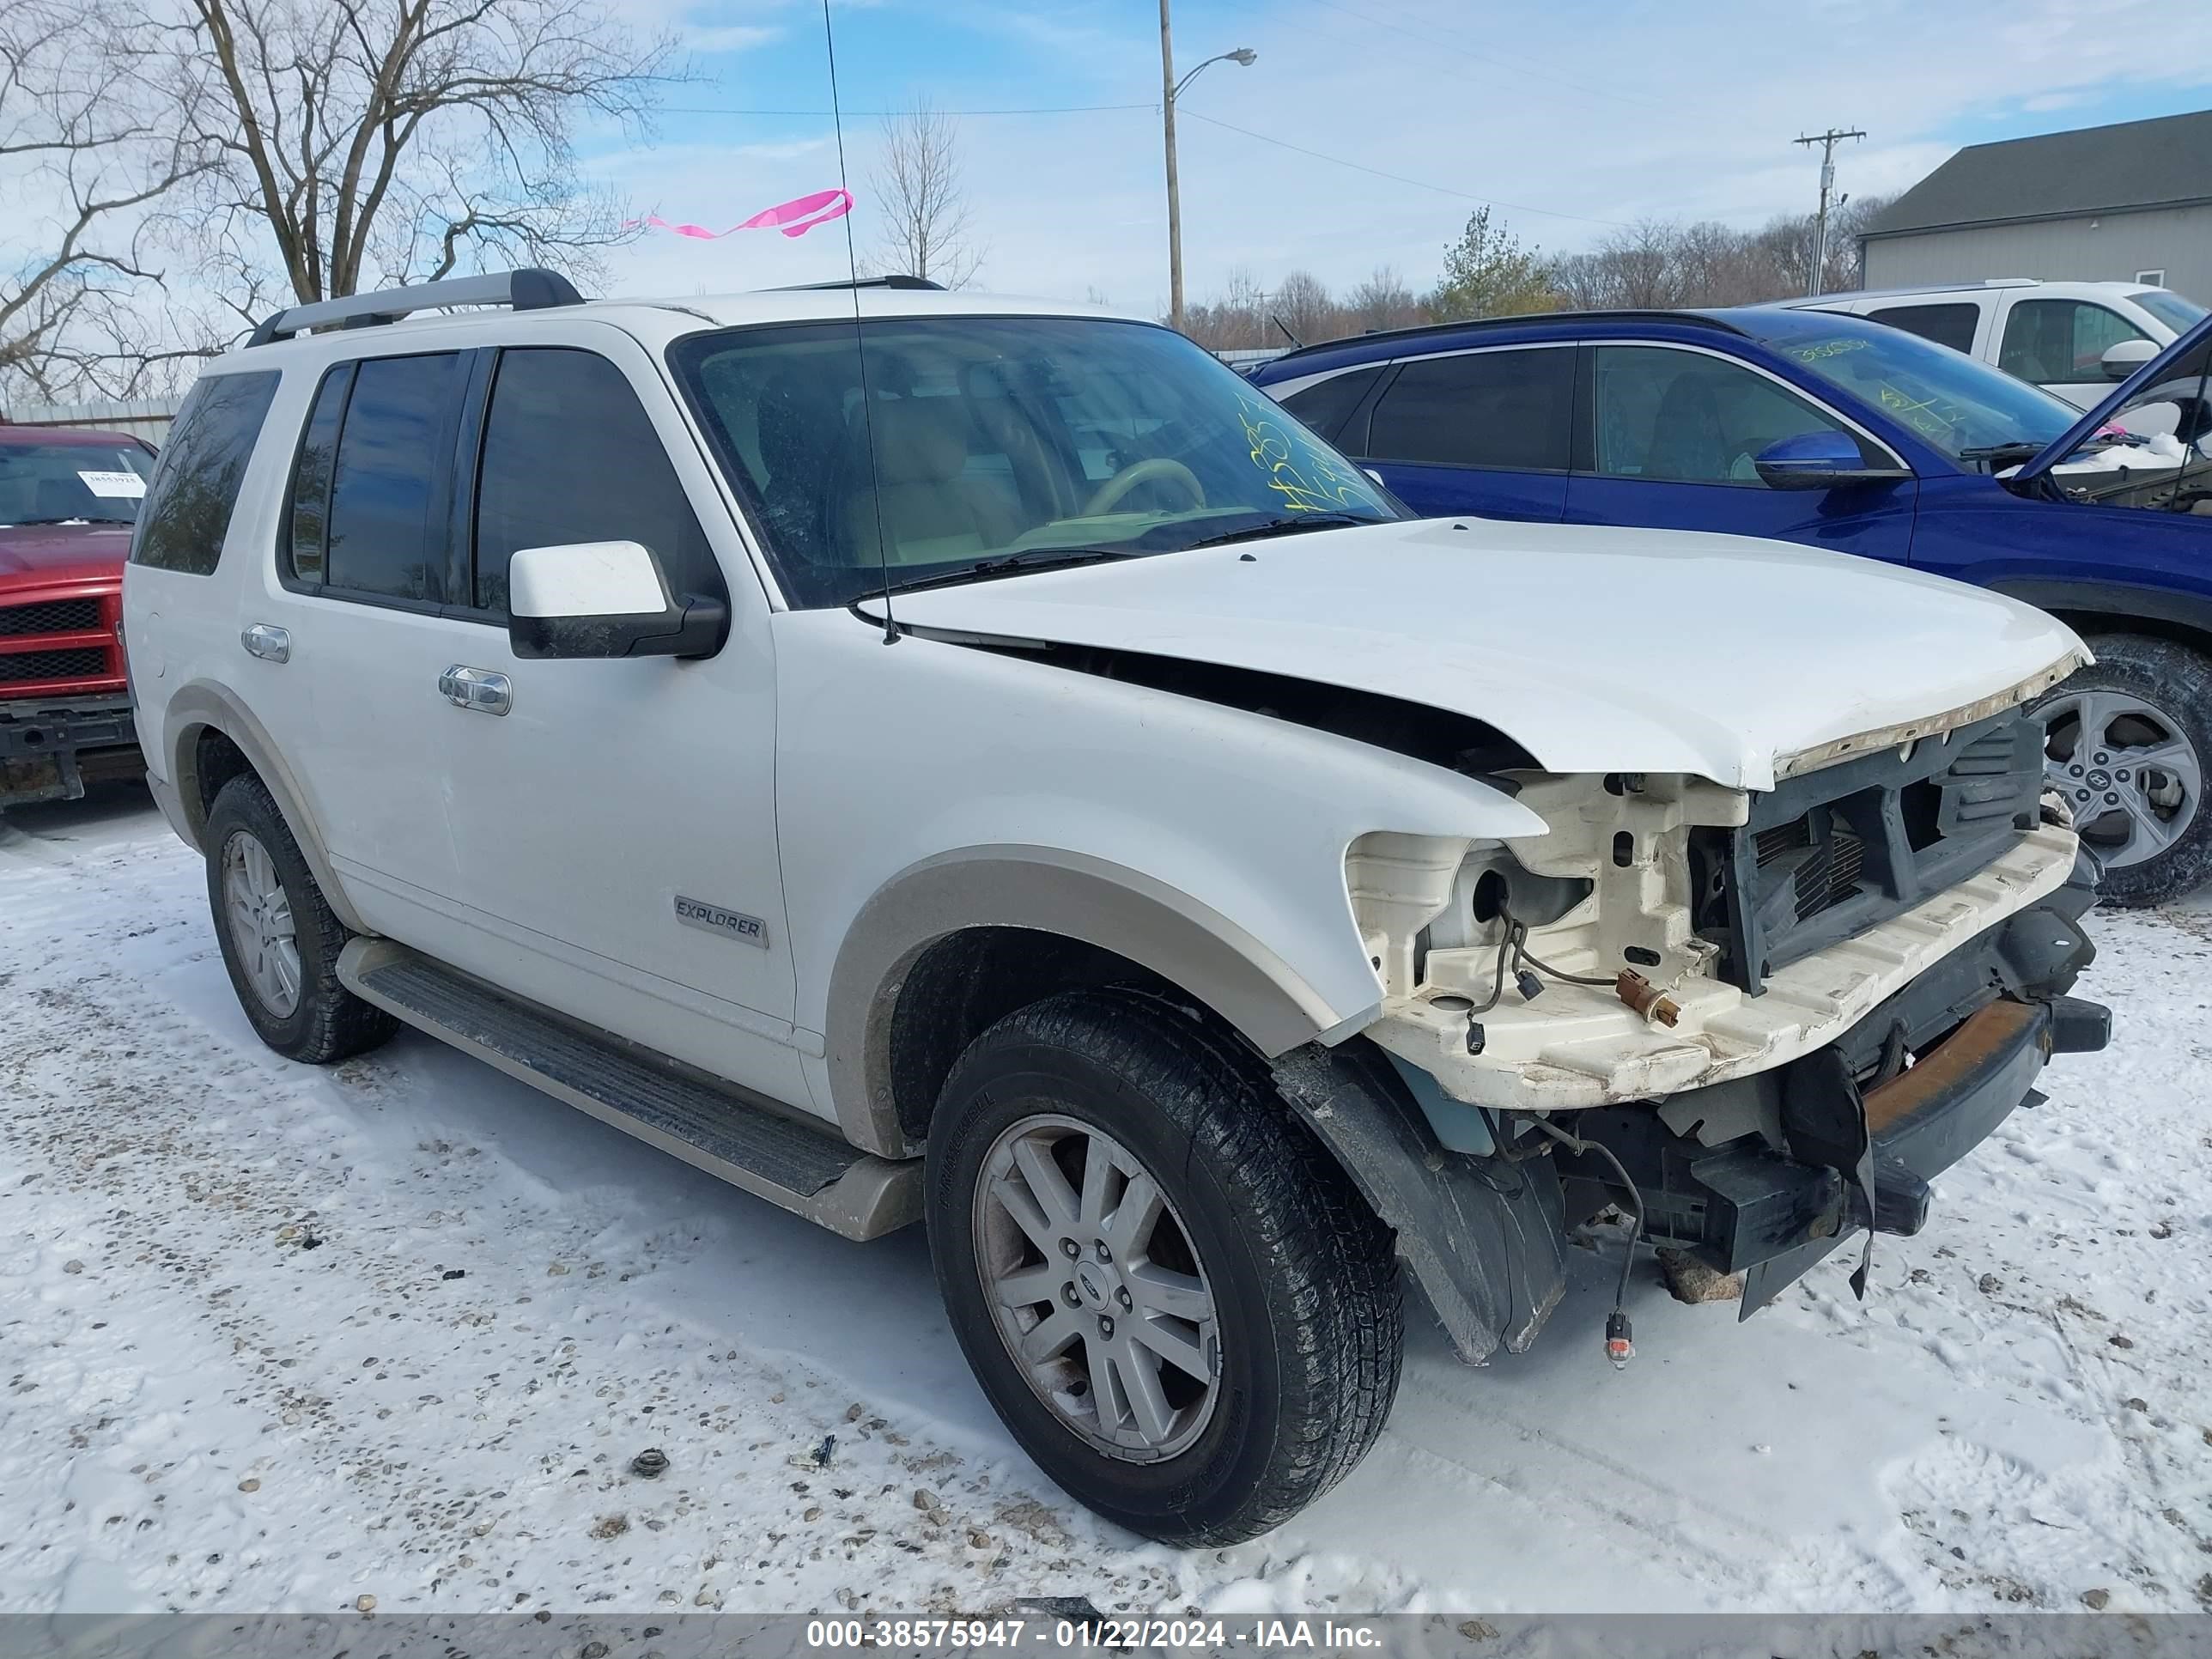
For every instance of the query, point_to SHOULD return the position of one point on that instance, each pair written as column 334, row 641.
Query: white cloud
column 727, row 37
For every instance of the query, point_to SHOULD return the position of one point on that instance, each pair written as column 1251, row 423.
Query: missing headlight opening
column 1668, row 933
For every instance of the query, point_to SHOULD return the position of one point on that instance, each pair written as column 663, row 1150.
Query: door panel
column 355, row 588
column 1484, row 432
column 611, row 790
column 1671, row 443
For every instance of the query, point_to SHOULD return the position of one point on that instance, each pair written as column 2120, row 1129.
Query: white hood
column 1597, row 649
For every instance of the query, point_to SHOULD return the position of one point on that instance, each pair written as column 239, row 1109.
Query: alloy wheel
column 2134, row 783
column 259, row 915
column 1096, row 1289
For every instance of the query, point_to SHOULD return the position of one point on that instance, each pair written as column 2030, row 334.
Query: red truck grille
column 51, row 616
column 60, row 648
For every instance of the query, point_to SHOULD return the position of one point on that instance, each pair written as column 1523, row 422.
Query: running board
column 730, row 1134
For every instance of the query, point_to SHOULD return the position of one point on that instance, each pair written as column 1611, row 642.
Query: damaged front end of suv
column 1761, row 1021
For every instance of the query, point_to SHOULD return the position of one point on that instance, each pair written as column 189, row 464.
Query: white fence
column 149, row 418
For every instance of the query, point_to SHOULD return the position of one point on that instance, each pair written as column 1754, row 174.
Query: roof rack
column 1421, row 330
column 524, row 290
column 893, row 281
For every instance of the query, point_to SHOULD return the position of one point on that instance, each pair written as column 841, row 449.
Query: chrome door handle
column 477, row 688
column 268, row 642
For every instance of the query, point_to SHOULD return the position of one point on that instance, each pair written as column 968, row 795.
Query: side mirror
column 1818, row 461
column 2125, row 359
column 604, row 600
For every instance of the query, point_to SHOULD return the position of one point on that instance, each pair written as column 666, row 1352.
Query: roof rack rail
column 892, row 281
column 524, row 290
column 1517, row 320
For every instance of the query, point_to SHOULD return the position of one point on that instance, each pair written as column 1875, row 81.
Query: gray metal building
column 2127, row 202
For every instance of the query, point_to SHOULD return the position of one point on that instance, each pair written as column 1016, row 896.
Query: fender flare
column 202, row 705
column 1052, row 891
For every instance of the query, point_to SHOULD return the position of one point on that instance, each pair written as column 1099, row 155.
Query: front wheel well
column 2090, row 623
column 966, row 982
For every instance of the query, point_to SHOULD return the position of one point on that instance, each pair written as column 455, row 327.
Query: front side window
column 187, row 513
column 1509, row 408
column 1951, row 326
column 2061, row 342
column 1957, row 404
column 953, row 441
column 569, row 455
column 1683, row 418
column 393, row 442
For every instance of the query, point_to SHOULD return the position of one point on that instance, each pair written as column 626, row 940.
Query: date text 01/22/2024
column 1111, row 1634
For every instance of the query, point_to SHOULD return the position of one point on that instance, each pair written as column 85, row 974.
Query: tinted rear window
column 390, row 460
column 1326, row 405
column 1497, row 409
column 188, row 506
column 1951, row 324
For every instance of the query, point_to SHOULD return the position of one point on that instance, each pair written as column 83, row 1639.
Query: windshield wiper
column 2017, row 450
column 68, row 517
column 1288, row 527
column 1010, row 564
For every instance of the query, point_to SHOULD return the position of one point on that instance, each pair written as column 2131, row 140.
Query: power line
column 1049, row 109
column 1399, row 178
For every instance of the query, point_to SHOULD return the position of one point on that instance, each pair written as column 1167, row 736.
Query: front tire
column 1173, row 1297
column 280, row 939
column 2128, row 742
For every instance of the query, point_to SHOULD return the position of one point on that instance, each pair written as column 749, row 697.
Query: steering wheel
column 1109, row 493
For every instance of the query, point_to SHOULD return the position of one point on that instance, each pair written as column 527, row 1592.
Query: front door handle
column 477, row 688
column 268, row 642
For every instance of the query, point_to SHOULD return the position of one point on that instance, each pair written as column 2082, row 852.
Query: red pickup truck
column 67, row 500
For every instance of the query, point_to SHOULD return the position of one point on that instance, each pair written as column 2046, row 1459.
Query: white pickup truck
column 928, row 757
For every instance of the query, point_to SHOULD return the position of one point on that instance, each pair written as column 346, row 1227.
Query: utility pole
column 1174, row 196
column 1827, row 141
column 1171, row 90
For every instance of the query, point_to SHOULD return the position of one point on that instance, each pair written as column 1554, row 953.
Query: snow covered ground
column 276, row 1338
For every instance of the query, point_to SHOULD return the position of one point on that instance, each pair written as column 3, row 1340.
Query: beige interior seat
column 929, row 511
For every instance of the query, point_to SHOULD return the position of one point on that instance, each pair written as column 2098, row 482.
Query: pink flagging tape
column 793, row 218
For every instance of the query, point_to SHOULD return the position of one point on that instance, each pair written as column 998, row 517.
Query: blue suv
column 1861, row 438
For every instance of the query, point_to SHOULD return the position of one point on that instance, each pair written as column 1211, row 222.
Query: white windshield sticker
column 114, row 485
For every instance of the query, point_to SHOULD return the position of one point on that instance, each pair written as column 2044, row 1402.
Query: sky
column 1572, row 118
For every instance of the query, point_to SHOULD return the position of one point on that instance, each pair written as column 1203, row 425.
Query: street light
column 1171, row 90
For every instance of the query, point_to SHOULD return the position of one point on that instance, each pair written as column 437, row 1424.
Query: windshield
column 982, row 438
column 2177, row 313
column 58, row 484
column 1944, row 398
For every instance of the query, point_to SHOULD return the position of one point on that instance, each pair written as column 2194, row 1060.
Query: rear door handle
column 268, row 642
column 477, row 688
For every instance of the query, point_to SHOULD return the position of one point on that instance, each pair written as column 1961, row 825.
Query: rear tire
column 2128, row 745
column 1261, row 1261
column 280, row 937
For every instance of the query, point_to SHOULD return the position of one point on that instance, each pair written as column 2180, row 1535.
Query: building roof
column 2164, row 161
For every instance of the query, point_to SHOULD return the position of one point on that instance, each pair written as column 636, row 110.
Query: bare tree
column 1659, row 263
column 1384, row 301
column 83, row 163
column 1302, row 304
column 926, row 230
column 357, row 144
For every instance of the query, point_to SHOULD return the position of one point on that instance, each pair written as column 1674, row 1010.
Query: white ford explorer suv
column 920, row 756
